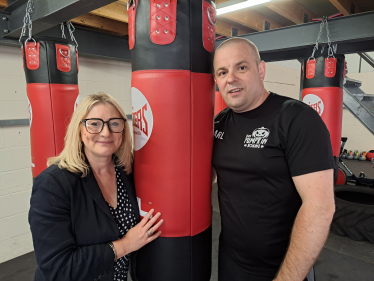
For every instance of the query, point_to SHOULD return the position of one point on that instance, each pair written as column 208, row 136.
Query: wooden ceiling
column 277, row 13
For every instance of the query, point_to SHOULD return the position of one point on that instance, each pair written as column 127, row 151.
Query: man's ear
column 262, row 70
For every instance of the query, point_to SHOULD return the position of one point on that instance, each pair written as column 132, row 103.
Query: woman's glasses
column 96, row 125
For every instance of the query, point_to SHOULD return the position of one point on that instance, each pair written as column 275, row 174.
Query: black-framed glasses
column 96, row 125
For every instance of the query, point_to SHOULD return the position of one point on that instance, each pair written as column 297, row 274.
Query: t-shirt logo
column 258, row 138
column 219, row 135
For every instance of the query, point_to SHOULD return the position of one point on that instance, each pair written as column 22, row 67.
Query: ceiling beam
column 101, row 23
column 251, row 19
column 346, row 7
column 352, row 34
column 115, row 11
column 290, row 10
column 47, row 16
column 224, row 27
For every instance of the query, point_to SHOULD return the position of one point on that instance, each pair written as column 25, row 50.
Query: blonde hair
column 72, row 157
column 238, row 40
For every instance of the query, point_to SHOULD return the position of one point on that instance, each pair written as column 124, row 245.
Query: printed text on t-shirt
column 258, row 138
column 219, row 135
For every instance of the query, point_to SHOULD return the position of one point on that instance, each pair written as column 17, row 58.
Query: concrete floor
column 341, row 258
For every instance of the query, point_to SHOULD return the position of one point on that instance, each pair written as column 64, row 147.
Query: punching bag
column 172, row 45
column 323, row 90
column 51, row 68
column 219, row 103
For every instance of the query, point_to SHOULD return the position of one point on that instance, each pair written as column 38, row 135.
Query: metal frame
column 91, row 43
column 353, row 34
column 45, row 16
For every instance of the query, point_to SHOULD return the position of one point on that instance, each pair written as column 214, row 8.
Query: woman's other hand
column 138, row 236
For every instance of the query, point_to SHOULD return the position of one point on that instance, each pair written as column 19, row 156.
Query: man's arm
column 311, row 225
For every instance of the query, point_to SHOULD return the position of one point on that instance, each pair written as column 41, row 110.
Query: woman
column 84, row 214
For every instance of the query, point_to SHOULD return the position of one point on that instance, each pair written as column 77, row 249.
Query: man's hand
column 312, row 224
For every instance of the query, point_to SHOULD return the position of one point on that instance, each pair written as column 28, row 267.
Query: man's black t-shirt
column 255, row 155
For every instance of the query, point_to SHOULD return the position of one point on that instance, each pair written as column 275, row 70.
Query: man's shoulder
column 290, row 107
column 222, row 115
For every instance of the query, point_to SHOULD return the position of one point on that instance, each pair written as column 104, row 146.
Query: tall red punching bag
column 172, row 44
column 323, row 91
column 51, row 68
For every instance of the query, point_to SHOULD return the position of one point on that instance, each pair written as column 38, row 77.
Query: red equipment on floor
column 173, row 109
column 51, row 68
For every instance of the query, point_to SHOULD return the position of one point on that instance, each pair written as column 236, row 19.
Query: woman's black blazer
column 71, row 225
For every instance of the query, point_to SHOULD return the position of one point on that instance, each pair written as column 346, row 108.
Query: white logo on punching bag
column 30, row 110
column 76, row 103
column 314, row 102
column 142, row 118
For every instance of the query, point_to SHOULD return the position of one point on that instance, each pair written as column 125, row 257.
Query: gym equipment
column 370, row 155
column 355, row 155
column 172, row 45
column 354, row 215
column 344, row 154
column 323, row 90
column 349, row 155
column 343, row 178
column 362, row 156
column 51, row 69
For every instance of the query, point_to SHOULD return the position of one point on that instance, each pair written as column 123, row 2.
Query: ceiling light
column 237, row 6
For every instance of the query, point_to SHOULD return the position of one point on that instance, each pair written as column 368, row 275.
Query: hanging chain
column 315, row 48
column 63, row 30
column 71, row 31
column 27, row 22
column 331, row 49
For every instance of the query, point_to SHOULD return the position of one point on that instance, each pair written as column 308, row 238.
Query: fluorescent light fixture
column 237, row 6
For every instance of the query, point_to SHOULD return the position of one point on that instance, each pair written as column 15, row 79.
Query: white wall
column 95, row 75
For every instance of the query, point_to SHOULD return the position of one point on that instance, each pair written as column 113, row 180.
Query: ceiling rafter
column 345, row 6
column 290, row 10
column 115, row 11
column 100, row 18
column 249, row 18
column 101, row 23
column 224, row 27
column 3, row 3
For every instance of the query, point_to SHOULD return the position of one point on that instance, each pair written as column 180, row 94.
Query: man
column 274, row 166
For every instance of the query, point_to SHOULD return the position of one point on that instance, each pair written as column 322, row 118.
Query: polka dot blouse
column 125, row 218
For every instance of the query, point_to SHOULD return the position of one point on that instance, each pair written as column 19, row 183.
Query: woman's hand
column 138, row 236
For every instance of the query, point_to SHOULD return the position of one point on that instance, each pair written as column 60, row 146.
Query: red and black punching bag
column 323, row 91
column 172, row 44
column 219, row 103
column 51, row 68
